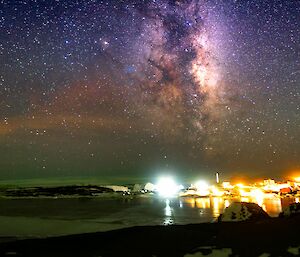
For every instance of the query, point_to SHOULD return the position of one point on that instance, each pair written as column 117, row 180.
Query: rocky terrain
column 55, row 191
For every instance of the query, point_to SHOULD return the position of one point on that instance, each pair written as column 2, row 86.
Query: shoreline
column 272, row 236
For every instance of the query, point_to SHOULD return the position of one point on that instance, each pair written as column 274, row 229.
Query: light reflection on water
column 273, row 205
column 44, row 217
column 169, row 220
column 193, row 210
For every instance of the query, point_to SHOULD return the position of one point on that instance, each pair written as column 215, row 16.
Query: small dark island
column 58, row 191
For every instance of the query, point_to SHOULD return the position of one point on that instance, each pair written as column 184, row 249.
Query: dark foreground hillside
column 277, row 237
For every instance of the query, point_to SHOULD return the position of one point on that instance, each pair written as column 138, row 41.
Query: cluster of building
column 167, row 187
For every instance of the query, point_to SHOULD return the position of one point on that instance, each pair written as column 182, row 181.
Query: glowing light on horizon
column 297, row 179
column 227, row 185
column 202, row 188
column 240, row 185
column 201, row 184
column 216, row 192
column 258, row 195
column 167, row 187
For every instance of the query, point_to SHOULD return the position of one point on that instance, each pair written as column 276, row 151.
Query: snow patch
column 265, row 255
column 149, row 187
column 236, row 212
column 118, row 188
column 225, row 252
column 294, row 250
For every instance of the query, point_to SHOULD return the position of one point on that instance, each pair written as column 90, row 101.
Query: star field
column 131, row 87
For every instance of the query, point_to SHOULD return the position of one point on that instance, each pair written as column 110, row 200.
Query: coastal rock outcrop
column 240, row 211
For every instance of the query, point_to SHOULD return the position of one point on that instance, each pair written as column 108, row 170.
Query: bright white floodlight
column 201, row 185
column 167, row 187
column 202, row 188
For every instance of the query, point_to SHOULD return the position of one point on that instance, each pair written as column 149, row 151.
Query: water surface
column 49, row 216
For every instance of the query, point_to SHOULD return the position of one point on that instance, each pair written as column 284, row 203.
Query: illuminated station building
column 269, row 187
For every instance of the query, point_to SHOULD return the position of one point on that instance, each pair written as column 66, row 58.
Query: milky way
column 183, row 68
column 134, row 87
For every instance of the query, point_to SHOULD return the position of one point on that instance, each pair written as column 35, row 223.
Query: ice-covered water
column 49, row 216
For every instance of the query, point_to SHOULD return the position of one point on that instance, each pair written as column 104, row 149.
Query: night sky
column 135, row 88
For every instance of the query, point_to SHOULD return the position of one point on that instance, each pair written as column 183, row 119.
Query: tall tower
column 217, row 178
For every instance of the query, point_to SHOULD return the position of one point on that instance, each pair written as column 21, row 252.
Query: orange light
column 297, row 179
column 240, row 185
column 293, row 174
